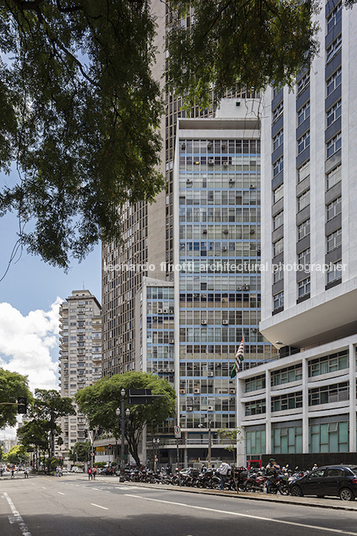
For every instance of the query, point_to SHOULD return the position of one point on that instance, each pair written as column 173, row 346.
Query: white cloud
column 26, row 343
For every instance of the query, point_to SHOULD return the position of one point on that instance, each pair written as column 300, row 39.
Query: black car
column 336, row 480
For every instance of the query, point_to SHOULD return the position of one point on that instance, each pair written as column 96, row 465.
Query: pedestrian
column 223, row 471
column 26, row 474
column 272, row 467
column 12, row 473
column 94, row 472
column 89, row 474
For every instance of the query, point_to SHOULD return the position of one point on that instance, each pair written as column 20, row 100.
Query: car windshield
column 354, row 470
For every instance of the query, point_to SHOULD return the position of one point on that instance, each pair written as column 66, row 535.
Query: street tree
column 79, row 117
column 80, row 452
column 42, row 426
column 16, row 455
column 234, row 436
column 100, row 401
column 12, row 386
column 249, row 44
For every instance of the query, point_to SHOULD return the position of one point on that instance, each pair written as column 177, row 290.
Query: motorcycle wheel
column 284, row 490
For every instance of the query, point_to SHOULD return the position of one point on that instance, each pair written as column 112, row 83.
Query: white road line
column 16, row 517
column 237, row 514
column 60, row 493
column 98, row 506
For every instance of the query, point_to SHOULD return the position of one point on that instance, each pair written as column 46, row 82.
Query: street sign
column 177, row 431
column 139, row 396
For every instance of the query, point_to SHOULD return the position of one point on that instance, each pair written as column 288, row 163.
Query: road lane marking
column 60, row 493
column 16, row 517
column 238, row 514
column 98, row 506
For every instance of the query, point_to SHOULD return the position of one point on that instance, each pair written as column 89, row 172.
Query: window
column 333, row 48
column 278, row 247
column 334, row 240
column 278, row 220
column 255, row 408
column 286, row 375
column 334, row 272
column 304, row 257
column 278, row 193
column 304, row 287
column 333, row 113
column 303, row 142
column 328, row 363
column 278, row 139
column 278, row 166
column 334, row 81
column 304, row 171
column 278, row 112
column 334, row 17
column 329, row 394
column 333, row 177
column 333, row 208
column 303, row 229
column 254, row 384
column 304, row 113
column 278, row 273
column 334, row 145
column 285, row 402
column 303, row 83
column 303, row 200
column 278, row 300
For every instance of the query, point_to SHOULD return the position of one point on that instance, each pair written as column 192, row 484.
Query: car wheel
column 346, row 494
column 296, row 491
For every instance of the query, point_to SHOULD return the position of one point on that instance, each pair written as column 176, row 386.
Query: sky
column 30, row 294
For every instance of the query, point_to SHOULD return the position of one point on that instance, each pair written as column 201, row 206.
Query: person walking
column 26, row 473
column 89, row 474
column 223, row 470
column 94, row 472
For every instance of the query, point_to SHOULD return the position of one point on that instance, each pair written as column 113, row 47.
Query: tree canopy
column 238, row 43
column 12, row 386
column 100, row 401
column 79, row 115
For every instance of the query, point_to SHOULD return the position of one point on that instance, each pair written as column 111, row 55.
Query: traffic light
column 22, row 405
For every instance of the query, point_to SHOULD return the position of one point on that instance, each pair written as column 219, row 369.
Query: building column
column 241, row 445
column 305, row 406
column 352, row 409
column 268, row 412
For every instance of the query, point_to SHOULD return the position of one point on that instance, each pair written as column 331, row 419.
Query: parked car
column 335, row 480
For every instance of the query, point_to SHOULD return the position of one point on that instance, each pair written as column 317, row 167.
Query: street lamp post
column 209, row 444
column 117, row 413
column 121, row 478
column 156, row 443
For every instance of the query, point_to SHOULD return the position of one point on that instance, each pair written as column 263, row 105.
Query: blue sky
column 30, row 294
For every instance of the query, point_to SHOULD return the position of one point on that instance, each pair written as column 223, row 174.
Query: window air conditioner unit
column 210, row 408
column 165, row 310
column 225, row 164
column 210, row 373
column 196, row 391
column 196, row 295
column 231, row 180
column 189, row 181
column 171, row 310
column 239, row 288
column 197, row 162
column 252, row 186
column 210, row 162
column 189, row 408
column 182, row 391
column 224, row 248
column 210, row 146
column 225, row 231
column 225, row 322
column 252, row 231
column 204, row 231
column 246, row 287
column 204, row 322
column 159, row 311
column 172, row 341
column 232, row 391
column 183, row 146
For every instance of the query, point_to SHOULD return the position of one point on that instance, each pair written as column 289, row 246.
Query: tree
column 244, row 43
column 16, row 455
column 100, row 401
column 234, row 435
column 81, row 451
column 46, row 408
column 79, row 115
column 12, row 386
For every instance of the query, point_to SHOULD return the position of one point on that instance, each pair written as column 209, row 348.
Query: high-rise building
column 305, row 403
column 183, row 288
column 80, row 356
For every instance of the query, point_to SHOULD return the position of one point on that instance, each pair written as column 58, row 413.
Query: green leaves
column 238, row 43
column 80, row 117
column 12, row 386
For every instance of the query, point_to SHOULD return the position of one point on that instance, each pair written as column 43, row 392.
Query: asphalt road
column 73, row 506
